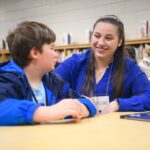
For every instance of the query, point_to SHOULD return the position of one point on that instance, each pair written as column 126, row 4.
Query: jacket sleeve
column 67, row 69
column 14, row 109
column 89, row 104
column 17, row 112
column 140, row 89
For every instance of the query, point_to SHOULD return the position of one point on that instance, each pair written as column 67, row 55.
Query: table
column 105, row 132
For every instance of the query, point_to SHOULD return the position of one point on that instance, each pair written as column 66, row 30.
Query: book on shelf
column 1, row 59
column 139, row 53
column 144, row 29
column 67, row 39
column 69, row 53
column 64, row 54
column 88, row 34
column 60, row 56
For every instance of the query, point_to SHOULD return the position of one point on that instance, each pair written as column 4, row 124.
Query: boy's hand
column 66, row 107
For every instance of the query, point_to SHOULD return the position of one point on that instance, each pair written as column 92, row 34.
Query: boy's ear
column 34, row 53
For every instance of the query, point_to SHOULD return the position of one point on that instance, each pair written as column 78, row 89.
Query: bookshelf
column 65, row 51
column 137, row 42
column 139, row 45
column 62, row 50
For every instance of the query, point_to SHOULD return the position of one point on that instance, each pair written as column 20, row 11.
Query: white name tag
column 100, row 101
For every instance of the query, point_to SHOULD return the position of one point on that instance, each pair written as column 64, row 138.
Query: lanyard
column 35, row 99
column 108, row 82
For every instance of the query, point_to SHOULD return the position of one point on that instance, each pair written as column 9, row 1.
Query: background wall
column 74, row 16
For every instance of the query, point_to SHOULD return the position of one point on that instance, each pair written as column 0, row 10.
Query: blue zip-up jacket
column 136, row 90
column 16, row 106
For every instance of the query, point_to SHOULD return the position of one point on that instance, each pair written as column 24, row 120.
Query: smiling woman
column 104, row 71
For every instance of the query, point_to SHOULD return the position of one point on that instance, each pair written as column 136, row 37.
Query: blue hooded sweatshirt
column 16, row 105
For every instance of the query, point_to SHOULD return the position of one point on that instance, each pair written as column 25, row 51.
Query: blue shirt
column 136, row 90
column 39, row 94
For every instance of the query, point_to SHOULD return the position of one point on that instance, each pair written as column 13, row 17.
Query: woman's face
column 105, row 40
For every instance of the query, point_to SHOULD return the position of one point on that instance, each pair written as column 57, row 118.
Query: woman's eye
column 108, row 38
column 97, row 36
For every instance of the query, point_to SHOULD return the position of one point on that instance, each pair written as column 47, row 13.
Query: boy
column 30, row 93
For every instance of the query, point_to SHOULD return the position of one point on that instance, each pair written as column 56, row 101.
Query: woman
column 104, row 71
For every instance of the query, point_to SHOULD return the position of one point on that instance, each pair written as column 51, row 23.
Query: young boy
column 30, row 93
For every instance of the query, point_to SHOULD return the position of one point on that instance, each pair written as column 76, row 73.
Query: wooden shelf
column 82, row 46
column 5, row 55
column 4, row 51
column 73, row 46
column 137, row 42
column 65, row 51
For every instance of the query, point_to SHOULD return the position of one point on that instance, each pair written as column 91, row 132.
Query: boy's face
column 48, row 58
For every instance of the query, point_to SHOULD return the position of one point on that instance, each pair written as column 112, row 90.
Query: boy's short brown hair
column 28, row 35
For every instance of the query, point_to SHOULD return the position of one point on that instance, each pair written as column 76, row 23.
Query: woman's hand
column 111, row 107
column 66, row 107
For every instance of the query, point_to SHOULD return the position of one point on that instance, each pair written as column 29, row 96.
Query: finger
column 73, row 107
column 77, row 119
column 81, row 106
column 77, row 106
column 76, row 114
